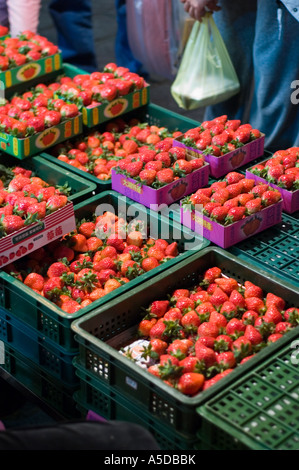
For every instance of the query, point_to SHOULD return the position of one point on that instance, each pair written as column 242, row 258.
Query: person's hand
column 198, row 8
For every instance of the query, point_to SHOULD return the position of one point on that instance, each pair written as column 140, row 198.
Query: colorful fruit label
column 28, row 72
column 116, row 107
column 47, row 137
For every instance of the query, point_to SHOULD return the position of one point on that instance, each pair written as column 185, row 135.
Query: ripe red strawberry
column 180, row 293
column 249, row 317
column 207, row 341
column 145, row 326
column 234, row 189
column 234, row 202
column 209, row 206
column 242, row 347
column 158, row 308
column 218, row 297
column 273, row 315
column 185, row 303
column 228, row 309
column 220, row 139
column 272, row 299
column 270, row 197
column 286, row 181
column 210, row 382
column 218, row 319
column 36, row 211
column 274, row 337
column 147, row 176
column 242, row 135
column 247, row 185
column 35, row 281
column 165, row 176
column 149, row 263
column 10, row 224
column 217, row 185
column 253, row 206
column 282, row 327
column 256, row 304
column 157, row 331
column 219, row 214
column 134, row 168
column 173, row 314
column 232, row 124
column 204, row 309
column 56, row 202
column 237, row 299
column 227, row 284
column 274, row 172
column 234, row 214
column 221, row 196
column 252, row 290
column 233, row 177
column 208, row 329
column 190, row 364
column 190, row 383
column 207, row 355
column 235, row 326
column 179, row 347
column 253, row 335
column 259, row 189
column 211, row 274
column 291, row 315
column 52, row 288
column 223, row 343
column 226, row 360
column 116, row 242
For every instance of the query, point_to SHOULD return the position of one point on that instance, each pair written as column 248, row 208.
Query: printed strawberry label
column 28, row 72
column 116, row 107
column 47, row 138
column 237, row 158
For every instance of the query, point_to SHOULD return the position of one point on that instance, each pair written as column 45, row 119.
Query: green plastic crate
column 275, row 250
column 96, row 396
column 50, row 320
column 53, row 174
column 52, row 392
column 43, row 352
column 259, row 411
column 151, row 113
column 101, row 333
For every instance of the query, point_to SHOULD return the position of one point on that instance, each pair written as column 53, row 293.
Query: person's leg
column 276, row 67
column 3, row 14
column 123, row 53
column 73, row 22
column 236, row 23
column 23, row 15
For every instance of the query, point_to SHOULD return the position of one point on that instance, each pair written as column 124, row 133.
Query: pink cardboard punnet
column 167, row 194
column 220, row 166
column 290, row 199
column 226, row 236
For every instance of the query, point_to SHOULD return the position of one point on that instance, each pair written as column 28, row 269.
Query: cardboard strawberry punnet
column 231, row 210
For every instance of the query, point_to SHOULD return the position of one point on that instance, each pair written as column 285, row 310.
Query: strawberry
column 274, row 337
column 259, row 189
column 218, row 319
column 179, row 347
column 253, row 335
column 180, row 293
column 253, row 206
column 235, row 326
column 207, row 355
column 145, row 326
column 226, row 360
column 270, row 197
column 237, row 299
column 291, row 315
column 147, row 176
column 227, row 284
column 150, row 263
column 252, row 290
column 286, row 181
column 219, row 214
column 10, row 224
column 56, row 202
column 223, row 343
column 249, row 317
column 52, row 288
column 190, row 364
column 207, row 341
column 210, row 382
column 241, row 347
column 158, row 308
column 185, row 303
column 209, row 206
column 282, row 327
column 34, row 281
column 69, row 110
column 228, row 309
column 173, row 314
column 234, row 214
column 210, row 275
column 208, row 329
column 221, row 195
column 165, row 176
column 233, row 177
column 273, row 315
column 218, row 297
column 190, row 383
column 274, row 173
column 157, row 331
column 134, row 168
column 272, row 299
column 256, row 304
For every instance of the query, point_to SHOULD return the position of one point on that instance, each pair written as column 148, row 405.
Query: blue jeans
column 73, row 22
column 264, row 51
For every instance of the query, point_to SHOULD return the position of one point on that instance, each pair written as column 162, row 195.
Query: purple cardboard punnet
column 220, row 166
column 168, row 194
column 290, row 199
column 226, row 236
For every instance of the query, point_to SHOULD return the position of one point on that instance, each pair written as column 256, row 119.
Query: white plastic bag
column 206, row 75
column 155, row 29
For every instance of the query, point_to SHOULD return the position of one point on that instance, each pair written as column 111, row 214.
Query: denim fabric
column 123, row 54
column 73, row 22
column 262, row 39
